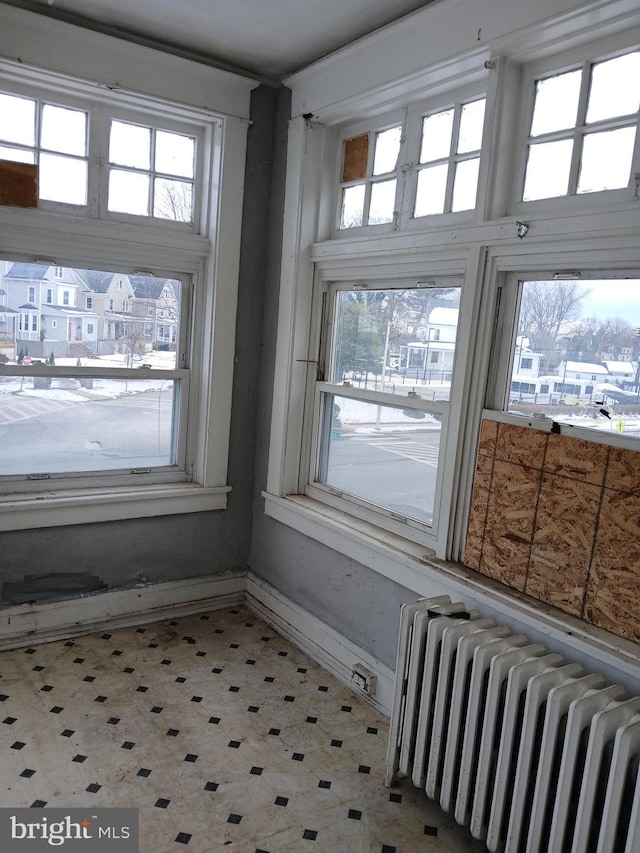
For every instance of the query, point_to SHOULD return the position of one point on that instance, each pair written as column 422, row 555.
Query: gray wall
column 350, row 598
column 122, row 553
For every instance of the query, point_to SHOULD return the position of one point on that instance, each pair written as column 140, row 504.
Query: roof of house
column 147, row 287
column 444, row 317
column 620, row 367
column 29, row 272
column 96, row 280
column 585, row 367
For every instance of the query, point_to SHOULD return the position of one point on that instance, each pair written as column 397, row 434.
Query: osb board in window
column 478, row 513
column 18, row 184
column 562, row 542
column 576, row 458
column 521, row 445
column 509, row 525
column 613, row 591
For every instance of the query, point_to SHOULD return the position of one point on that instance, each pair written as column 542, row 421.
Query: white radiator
column 530, row 752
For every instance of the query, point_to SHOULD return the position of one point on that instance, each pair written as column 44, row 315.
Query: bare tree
column 546, row 309
column 174, row 200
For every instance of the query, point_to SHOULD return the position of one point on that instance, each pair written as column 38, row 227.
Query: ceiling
column 268, row 39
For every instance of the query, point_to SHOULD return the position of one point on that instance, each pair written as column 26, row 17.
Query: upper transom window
column 449, row 159
column 427, row 164
column 582, row 129
column 151, row 170
column 369, row 177
column 54, row 138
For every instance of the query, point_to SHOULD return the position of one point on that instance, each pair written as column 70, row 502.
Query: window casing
column 196, row 254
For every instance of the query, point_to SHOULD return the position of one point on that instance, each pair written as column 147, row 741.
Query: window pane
column 436, row 136
column 383, row 198
column 64, row 130
column 431, row 190
column 606, row 160
column 173, row 200
column 556, row 103
column 576, row 350
column 18, row 155
column 129, row 192
column 615, row 88
column 60, row 428
column 471, row 125
column 465, row 185
column 396, row 341
column 175, row 154
column 63, row 179
column 17, row 120
column 130, row 145
column 384, row 455
column 548, row 168
column 387, row 150
column 352, row 206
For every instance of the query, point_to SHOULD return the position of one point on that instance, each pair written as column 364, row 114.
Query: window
column 426, row 165
column 51, row 136
column 88, row 302
column 178, row 461
column 369, row 177
column 132, row 420
column 379, row 427
column 49, row 296
column 151, row 171
column 575, row 330
column 582, row 128
column 32, row 294
column 125, row 305
column 449, row 159
column 111, row 305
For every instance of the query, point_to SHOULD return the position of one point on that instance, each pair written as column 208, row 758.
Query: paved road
column 48, row 436
column 393, row 471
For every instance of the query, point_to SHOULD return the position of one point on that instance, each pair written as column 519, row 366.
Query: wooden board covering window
column 18, row 184
column 356, row 152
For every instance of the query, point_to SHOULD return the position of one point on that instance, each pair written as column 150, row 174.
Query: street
column 392, row 470
column 40, row 435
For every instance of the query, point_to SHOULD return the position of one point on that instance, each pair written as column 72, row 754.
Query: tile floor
column 223, row 734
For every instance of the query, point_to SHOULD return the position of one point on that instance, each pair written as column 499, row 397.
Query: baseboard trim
column 328, row 647
column 29, row 624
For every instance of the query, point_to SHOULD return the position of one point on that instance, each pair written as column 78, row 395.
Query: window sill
column 419, row 570
column 55, row 509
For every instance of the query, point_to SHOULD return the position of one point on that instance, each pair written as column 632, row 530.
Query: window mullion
column 576, row 157
column 453, row 158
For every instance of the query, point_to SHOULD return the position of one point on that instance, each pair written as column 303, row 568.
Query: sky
column 619, row 298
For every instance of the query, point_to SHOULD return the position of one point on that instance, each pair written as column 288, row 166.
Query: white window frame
column 571, row 59
column 408, row 165
column 208, row 254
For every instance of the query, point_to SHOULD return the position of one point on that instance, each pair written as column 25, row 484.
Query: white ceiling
column 266, row 38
